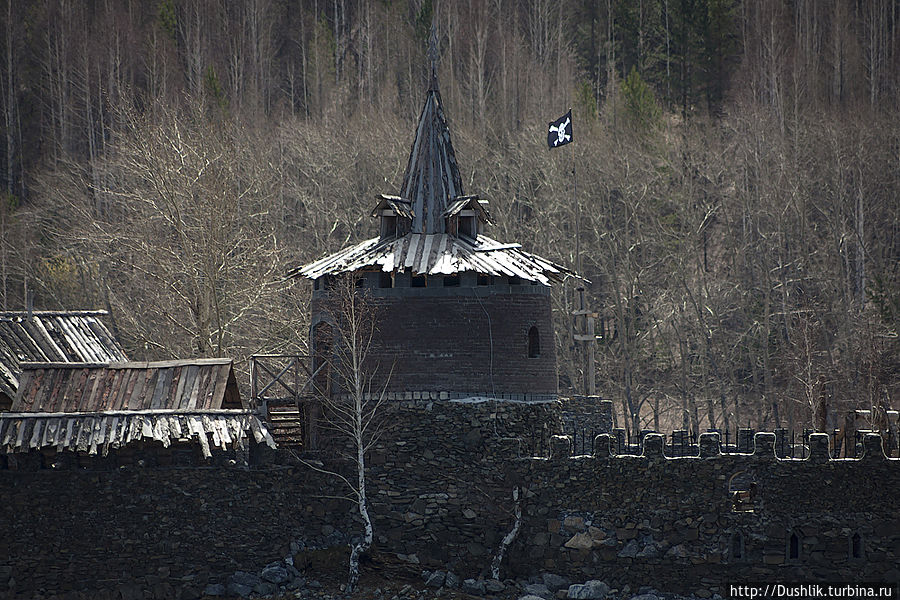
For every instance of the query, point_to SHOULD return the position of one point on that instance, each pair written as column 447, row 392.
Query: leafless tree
column 176, row 237
column 353, row 409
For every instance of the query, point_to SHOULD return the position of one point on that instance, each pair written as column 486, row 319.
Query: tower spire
column 433, row 56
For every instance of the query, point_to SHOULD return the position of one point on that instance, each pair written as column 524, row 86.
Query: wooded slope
column 737, row 165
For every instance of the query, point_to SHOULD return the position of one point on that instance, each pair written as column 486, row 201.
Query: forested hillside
column 734, row 199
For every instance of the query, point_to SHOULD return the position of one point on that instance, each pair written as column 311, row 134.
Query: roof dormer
column 396, row 216
column 466, row 216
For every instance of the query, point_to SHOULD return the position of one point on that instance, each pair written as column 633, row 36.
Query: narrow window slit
column 794, row 547
column 534, row 342
column 737, row 546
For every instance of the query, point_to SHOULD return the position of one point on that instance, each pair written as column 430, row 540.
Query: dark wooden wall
column 463, row 343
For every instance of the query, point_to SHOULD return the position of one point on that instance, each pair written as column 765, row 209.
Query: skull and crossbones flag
column 560, row 131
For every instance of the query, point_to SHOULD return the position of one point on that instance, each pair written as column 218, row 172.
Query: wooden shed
column 90, row 407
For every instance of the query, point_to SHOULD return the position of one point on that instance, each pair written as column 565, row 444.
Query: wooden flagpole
column 577, row 212
column 588, row 336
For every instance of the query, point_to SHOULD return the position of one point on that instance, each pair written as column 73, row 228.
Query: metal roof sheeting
column 437, row 254
column 470, row 202
column 432, row 188
column 52, row 336
column 95, row 433
column 176, row 385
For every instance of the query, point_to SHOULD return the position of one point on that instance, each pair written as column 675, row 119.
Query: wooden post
column 589, row 338
column 591, row 365
column 253, row 379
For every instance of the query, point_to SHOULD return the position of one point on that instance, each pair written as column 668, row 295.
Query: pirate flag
column 560, row 132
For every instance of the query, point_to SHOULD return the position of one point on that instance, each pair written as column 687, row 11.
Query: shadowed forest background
column 737, row 164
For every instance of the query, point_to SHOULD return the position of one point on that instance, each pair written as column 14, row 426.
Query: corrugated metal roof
column 97, row 432
column 197, row 384
column 437, row 254
column 52, row 336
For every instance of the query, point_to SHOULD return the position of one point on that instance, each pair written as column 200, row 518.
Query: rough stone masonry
column 442, row 480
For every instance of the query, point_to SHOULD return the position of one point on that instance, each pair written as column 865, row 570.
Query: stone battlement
column 709, row 448
column 441, row 487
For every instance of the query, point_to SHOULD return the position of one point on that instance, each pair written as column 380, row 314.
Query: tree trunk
column 8, row 113
column 860, row 249
column 362, row 505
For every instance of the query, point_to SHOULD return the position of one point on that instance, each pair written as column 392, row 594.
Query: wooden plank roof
column 437, row 254
column 97, row 432
column 432, row 175
column 90, row 407
column 197, row 384
column 52, row 336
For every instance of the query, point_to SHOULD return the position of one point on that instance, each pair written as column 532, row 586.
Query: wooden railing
column 281, row 377
column 280, row 389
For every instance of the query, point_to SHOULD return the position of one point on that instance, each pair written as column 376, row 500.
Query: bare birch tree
column 353, row 410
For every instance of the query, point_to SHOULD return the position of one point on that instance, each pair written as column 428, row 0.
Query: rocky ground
column 388, row 579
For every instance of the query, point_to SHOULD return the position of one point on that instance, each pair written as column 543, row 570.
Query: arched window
column 534, row 342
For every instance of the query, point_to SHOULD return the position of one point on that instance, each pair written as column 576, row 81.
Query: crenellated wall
column 650, row 519
column 441, row 483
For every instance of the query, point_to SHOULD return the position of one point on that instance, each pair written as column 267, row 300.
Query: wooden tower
column 458, row 314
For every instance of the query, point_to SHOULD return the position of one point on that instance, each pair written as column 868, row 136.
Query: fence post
column 253, row 379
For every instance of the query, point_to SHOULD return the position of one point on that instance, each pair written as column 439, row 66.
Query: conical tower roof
column 432, row 177
column 431, row 199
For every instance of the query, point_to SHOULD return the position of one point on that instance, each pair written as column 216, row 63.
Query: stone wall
column 154, row 532
column 161, row 523
column 441, row 483
column 672, row 522
column 591, row 413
